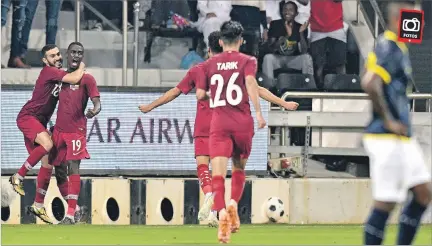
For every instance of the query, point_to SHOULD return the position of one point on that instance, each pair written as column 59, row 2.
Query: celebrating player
column 396, row 160
column 231, row 77
column 202, row 125
column 70, row 129
column 36, row 113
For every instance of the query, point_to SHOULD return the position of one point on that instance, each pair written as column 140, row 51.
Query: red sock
column 74, row 188
column 33, row 159
column 218, row 186
column 238, row 180
column 63, row 190
column 43, row 180
column 204, row 178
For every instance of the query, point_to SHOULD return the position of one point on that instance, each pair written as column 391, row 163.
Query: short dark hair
column 283, row 3
column 213, row 42
column 47, row 48
column 75, row 43
column 231, row 32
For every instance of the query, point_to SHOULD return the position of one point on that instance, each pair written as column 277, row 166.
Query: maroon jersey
column 73, row 102
column 45, row 95
column 203, row 115
column 225, row 77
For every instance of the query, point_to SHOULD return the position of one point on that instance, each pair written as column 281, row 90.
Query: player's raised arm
column 94, row 95
column 75, row 76
column 185, row 86
column 167, row 97
column 270, row 97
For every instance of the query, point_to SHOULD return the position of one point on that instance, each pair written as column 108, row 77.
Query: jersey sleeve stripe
column 377, row 69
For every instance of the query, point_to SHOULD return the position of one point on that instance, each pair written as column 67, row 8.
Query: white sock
column 19, row 177
column 77, row 208
column 232, row 202
column 39, row 205
column 208, row 195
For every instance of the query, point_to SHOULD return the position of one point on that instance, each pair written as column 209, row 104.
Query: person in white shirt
column 212, row 14
column 272, row 10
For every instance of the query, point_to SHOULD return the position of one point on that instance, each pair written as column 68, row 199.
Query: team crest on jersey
column 74, row 87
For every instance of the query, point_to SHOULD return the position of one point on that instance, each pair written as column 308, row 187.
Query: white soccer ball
column 7, row 193
column 275, row 209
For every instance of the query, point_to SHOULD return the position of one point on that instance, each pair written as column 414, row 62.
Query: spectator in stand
column 52, row 13
column 288, row 43
column 18, row 16
column 212, row 14
column 251, row 14
column 273, row 10
column 328, row 38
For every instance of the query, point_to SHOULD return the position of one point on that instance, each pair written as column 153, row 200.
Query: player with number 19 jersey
column 232, row 125
column 69, row 135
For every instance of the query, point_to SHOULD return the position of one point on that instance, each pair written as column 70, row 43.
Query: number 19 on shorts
column 76, row 145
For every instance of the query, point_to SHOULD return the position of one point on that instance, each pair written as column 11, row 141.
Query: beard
column 56, row 64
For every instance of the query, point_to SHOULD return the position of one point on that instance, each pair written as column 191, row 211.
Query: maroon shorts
column 228, row 144
column 68, row 147
column 201, row 146
column 30, row 127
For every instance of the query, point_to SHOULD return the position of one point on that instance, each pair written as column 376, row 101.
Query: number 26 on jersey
column 231, row 87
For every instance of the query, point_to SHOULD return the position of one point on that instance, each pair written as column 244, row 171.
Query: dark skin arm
column 96, row 108
column 272, row 43
column 372, row 84
column 303, row 43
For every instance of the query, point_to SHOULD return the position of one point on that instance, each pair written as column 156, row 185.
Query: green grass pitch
column 187, row 235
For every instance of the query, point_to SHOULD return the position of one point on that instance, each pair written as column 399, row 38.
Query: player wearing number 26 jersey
column 202, row 124
column 230, row 76
column 232, row 126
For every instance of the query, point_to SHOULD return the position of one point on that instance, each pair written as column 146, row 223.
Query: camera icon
column 411, row 25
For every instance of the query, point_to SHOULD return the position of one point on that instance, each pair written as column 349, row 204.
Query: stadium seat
column 295, row 82
column 342, row 83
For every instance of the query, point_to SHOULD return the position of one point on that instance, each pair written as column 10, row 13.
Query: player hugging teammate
column 67, row 147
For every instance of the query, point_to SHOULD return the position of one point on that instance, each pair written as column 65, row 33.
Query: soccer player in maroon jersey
column 35, row 114
column 230, row 76
column 70, row 129
column 202, row 124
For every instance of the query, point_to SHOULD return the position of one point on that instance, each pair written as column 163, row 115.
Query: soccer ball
column 7, row 194
column 275, row 209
